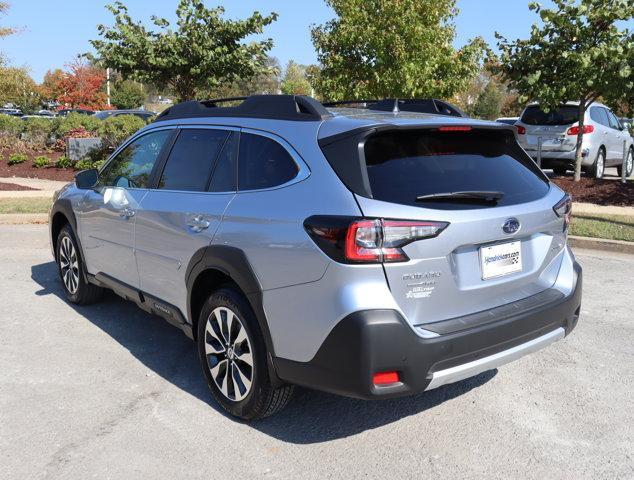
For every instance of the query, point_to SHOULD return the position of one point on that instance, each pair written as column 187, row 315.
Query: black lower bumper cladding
column 373, row 341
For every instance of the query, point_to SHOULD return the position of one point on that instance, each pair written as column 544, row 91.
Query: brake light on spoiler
column 363, row 240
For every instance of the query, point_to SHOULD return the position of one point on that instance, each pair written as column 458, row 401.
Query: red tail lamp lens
column 454, row 128
column 520, row 130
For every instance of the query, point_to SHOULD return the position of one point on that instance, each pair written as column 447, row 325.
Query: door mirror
column 87, row 179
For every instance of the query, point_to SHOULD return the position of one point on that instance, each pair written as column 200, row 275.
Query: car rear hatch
column 492, row 252
column 551, row 127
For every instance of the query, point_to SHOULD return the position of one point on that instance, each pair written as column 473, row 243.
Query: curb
column 591, row 243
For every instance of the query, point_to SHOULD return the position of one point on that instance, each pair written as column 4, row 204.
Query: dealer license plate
column 501, row 259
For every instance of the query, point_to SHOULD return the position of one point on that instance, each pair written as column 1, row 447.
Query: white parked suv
column 602, row 141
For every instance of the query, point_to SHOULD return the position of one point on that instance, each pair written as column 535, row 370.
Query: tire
column 629, row 161
column 71, row 270
column 598, row 167
column 233, row 353
column 559, row 171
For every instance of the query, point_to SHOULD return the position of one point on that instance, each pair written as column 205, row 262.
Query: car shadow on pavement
column 310, row 417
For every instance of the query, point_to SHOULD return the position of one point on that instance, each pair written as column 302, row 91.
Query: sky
column 52, row 33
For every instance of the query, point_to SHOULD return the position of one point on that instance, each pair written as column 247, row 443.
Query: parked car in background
column 37, row 115
column 557, row 130
column 16, row 112
column 65, row 111
column 507, row 120
column 368, row 253
column 144, row 114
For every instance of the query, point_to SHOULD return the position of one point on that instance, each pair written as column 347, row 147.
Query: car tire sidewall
column 77, row 296
column 595, row 168
column 229, row 298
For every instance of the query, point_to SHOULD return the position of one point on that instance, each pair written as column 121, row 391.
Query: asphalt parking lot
column 107, row 391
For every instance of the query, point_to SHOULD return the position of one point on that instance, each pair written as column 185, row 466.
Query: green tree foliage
column 201, row 52
column 127, row 94
column 383, row 48
column 18, row 88
column 489, row 103
column 295, row 81
column 578, row 53
column 266, row 83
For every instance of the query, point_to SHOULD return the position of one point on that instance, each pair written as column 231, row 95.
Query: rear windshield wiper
column 466, row 196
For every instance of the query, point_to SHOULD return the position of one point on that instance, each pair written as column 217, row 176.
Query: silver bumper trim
column 460, row 372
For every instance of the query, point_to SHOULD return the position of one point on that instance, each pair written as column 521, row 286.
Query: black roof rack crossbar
column 274, row 107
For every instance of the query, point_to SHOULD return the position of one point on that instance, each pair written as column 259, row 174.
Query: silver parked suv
column 371, row 252
column 603, row 138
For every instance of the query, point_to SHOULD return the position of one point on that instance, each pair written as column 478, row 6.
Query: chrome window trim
column 303, row 171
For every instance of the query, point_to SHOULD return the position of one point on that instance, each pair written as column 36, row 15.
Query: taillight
column 520, row 130
column 351, row 240
column 575, row 130
column 563, row 209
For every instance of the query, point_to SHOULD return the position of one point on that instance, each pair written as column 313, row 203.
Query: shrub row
column 40, row 133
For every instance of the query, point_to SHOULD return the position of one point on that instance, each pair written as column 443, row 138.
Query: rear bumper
column 374, row 341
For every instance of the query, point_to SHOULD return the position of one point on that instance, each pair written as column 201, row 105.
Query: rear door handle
column 197, row 223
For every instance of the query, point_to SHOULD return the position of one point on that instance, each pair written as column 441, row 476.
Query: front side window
column 132, row 167
column 263, row 163
column 191, row 160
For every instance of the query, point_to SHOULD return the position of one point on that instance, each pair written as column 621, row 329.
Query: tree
column 383, row 48
column 83, row 87
column 266, row 83
column 489, row 103
column 294, row 81
column 202, row 52
column 127, row 94
column 5, row 31
column 18, row 88
column 52, row 85
column 578, row 54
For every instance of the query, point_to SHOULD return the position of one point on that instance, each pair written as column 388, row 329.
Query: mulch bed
column 12, row 187
column 27, row 169
column 600, row 192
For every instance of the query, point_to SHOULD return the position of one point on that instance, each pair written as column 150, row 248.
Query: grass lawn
column 611, row 227
column 25, row 205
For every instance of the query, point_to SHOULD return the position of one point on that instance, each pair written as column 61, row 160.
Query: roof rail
column 274, row 107
column 395, row 105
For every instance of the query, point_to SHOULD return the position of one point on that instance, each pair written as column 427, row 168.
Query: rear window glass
column 403, row 165
column 564, row 115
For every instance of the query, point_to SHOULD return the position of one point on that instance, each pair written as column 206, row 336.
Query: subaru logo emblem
column 511, row 226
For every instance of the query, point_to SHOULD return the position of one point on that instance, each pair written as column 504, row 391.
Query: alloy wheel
column 229, row 354
column 600, row 165
column 69, row 265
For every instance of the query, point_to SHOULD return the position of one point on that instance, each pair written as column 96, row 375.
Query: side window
column 614, row 122
column 597, row 114
column 132, row 167
column 225, row 173
column 263, row 163
column 191, row 160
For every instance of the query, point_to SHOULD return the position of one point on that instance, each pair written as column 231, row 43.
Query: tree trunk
column 579, row 151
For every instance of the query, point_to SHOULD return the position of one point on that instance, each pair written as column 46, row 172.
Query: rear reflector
column 385, row 378
column 520, row 130
column 454, row 128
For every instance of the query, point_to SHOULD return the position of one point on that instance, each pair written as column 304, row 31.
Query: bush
column 115, row 130
column 63, row 162
column 10, row 125
column 37, row 131
column 16, row 158
column 128, row 94
column 40, row 162
column 73, row 121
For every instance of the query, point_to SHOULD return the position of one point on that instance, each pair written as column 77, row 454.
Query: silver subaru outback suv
column 371, row 253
